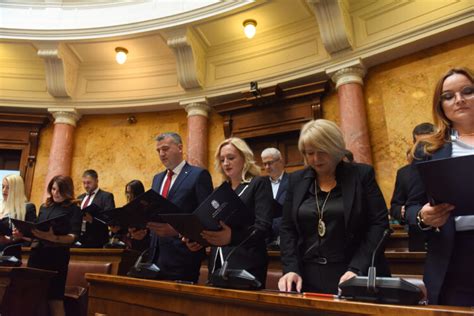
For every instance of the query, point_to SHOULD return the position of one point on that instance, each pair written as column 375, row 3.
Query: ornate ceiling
column 198, row 48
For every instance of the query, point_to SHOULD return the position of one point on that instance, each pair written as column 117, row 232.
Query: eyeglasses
column 270, row 162
column 466, row 93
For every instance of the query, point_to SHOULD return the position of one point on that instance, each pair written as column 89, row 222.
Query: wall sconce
column 121, row 55
column 250, row 28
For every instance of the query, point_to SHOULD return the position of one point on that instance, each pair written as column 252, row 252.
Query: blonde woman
column 235, row 161
column 14, row 205
column 333, row 217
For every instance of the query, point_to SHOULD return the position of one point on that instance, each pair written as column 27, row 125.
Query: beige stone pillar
column 60, row 154
column 197, row 142
column 349, row 82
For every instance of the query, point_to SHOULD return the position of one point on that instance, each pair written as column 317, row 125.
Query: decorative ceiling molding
column 334, row 24
column 190, row 55
column 61, row 67
column 177, row 20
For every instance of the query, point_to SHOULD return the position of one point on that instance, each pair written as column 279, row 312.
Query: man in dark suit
column 416, row 239
column 94, row 233
column 275, row 168
column 400, row 192
column 186, row 186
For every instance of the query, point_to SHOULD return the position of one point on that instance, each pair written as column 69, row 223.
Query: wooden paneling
column 20, row 132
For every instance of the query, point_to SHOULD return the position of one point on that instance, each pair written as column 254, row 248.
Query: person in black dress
column 235, row 161
column 14, row 205
column 50, row 249
column 137, row 238
column 333, row 217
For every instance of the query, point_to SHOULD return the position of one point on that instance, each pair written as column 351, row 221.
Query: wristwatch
column 420, row 223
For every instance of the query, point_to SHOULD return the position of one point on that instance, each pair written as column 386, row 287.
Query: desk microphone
column 372, row 273
column 144, row 270
column 10, row 261
column 381, row 289
column 235, row 278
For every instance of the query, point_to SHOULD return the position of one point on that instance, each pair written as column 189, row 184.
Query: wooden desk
column 117, row 295
column 121, row 259
column 23, row 291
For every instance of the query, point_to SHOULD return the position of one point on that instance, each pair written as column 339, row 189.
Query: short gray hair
column 271, row 151
column 175, row 136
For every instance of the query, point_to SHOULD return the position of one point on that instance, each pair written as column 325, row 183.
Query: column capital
column 352, row 72
column 65, row 116
column 196, row 107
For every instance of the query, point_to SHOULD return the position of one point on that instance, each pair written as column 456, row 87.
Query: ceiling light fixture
column 121, row 55
column 250, row 28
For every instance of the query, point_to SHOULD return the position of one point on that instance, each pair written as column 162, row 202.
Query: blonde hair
column 325, row 136
column 250, row 169
column 15, row 205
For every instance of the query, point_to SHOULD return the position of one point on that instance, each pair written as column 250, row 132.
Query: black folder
column 5, row 227
column 145, row 208
column 222, row 205
column 59, row 223
column 450, row 180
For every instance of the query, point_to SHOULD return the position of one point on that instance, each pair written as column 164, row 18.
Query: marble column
column 197, row 142
column 349, row 82
column 60, row 154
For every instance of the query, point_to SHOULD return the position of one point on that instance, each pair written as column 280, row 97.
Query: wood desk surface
column 117, row 295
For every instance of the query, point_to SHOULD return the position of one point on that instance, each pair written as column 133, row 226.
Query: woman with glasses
column 448, row 269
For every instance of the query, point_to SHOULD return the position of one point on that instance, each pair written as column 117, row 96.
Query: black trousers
column 322, row 278
column 458, row 285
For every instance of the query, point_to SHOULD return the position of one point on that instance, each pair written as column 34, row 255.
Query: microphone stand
column 9, row 260
column 372, row 273
column 144, row 270
column 235, row 278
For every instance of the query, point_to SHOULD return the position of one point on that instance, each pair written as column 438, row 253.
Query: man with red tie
column 186, row 186
column 94, row 233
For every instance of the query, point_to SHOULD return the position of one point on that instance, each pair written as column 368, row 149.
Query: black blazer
column 97, row 233
column 192, row 186
column 400, row 192
column 440, row 244
column 30, row 215
column 252, row 254
column 365, row 217
column 281, row 194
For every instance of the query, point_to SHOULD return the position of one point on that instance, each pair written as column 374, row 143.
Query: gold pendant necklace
column 321, row 223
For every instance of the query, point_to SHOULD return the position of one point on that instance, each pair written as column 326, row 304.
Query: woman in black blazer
column 14, row 205
column 50, row 249
column 235, row 161
column 331, row 238
column 448, row 269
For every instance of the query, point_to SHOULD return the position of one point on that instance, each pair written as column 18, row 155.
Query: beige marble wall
column 397, row 93
column 399, row 96
column 119, row 151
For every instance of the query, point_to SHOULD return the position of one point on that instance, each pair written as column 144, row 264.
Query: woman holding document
column 235, row 161
column 448, row 274
column 50, row 249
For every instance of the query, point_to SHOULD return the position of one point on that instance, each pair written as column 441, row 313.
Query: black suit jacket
column 440, row 244
column 252, row 254
column 97, row 233
column 192, row 186
column 400, row 192
column 280, row 198
column 365, row 217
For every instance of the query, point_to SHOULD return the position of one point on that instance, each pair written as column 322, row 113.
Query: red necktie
column 166, row 187
column 88, row 199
